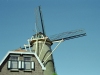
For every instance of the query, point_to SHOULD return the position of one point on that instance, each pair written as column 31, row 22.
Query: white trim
column 19, row 64
column 22, row 65
column 58, row 41
column 32, row 63
column 25, row 46
column 43, row 46
column 52, row 51
column 44, row 68
column 29, row 44
column 4, row 58
column 36, row 46
column 9, row 64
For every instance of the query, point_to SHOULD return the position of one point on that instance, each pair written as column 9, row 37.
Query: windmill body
column 41, row 45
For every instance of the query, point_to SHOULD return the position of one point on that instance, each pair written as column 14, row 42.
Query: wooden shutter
column 22, row 64
column 9, row 64
column 32, row 65
column 19, row 64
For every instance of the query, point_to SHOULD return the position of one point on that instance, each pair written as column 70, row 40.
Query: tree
column 55, row 74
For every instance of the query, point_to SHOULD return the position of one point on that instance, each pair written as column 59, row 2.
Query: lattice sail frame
column 68, row 35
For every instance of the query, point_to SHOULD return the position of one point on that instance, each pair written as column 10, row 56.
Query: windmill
column 40, row 44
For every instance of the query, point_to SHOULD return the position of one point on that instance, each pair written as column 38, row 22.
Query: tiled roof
column 20, row 50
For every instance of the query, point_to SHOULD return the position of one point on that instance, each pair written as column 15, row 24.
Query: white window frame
column 31, row 63
column 10, row 63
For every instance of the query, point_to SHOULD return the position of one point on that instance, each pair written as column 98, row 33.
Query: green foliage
column 55, row 74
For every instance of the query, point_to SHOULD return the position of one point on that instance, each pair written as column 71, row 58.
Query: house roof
column 20, row 51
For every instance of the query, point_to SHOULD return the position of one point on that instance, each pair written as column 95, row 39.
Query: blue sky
column 80, row 56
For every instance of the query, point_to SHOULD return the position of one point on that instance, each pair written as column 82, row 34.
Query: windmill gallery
column 36, row 57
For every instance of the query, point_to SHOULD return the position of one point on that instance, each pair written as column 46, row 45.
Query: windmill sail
column 39, row 21
column 68, row 35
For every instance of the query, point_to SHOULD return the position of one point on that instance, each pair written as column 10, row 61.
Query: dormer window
column 27, row 63
column 14, row 63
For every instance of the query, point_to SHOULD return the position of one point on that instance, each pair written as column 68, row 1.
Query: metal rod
column 29, row 45
column 25, row 47
column 52, row 51
column 42, row 47
column 36, row 46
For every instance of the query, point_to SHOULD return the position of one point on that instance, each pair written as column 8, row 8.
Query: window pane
column 27, row 65
column 27, row 58
column 15, row 58
column 14, row 64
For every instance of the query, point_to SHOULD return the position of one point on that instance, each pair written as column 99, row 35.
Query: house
column 21, row 62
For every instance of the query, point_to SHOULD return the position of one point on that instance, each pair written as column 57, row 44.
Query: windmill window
column 14, row 63
column 40, row 36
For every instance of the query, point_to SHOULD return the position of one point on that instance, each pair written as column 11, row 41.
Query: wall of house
column 37, row 71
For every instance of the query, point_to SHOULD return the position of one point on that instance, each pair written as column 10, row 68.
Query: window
column 38, row 35
column 14, row 63
column 27, row 64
